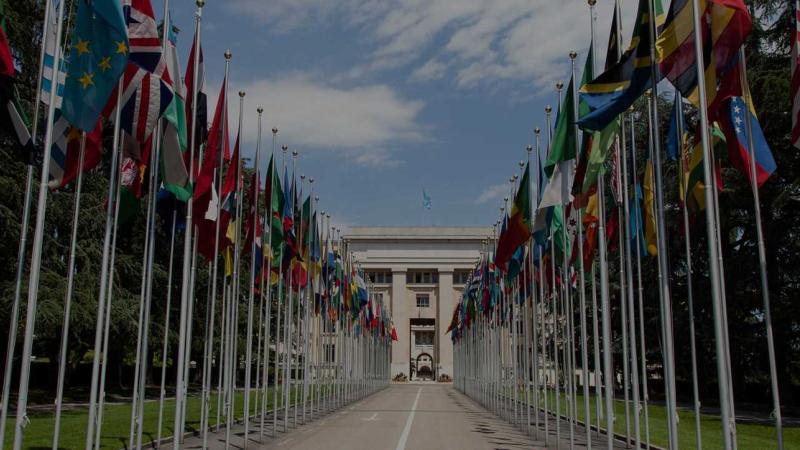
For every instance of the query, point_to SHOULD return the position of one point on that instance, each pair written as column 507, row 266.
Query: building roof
column 417, row 233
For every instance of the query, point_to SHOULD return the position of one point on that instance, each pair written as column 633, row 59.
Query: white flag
column 558, row 190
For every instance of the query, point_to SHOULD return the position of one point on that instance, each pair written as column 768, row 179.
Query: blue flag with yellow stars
column 97, row 59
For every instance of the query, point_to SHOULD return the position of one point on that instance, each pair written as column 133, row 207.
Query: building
column 419, row 273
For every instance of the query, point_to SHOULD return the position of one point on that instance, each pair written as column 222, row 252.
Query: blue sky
column 384, row 98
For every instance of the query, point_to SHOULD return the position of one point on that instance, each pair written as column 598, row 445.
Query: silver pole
column 630, row 313
column 62, row 359
column 661, row 238
column 164, row 346
column 187, row 295
column 23, row 233
column 762, row 257
column 249, row 338
column 36, row 264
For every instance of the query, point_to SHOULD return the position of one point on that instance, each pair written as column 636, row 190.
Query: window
column 423, row 301
column 380, row 277
column 423, row 338
column 378, row 296
column 422, row 277
column 461, row 277
column 330, row 353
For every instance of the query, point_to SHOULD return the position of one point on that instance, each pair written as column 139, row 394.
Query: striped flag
column 796, row 78
column 49, row 57
column 727, row 24
column 65, row 152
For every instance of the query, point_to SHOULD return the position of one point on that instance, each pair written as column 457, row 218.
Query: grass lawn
column 116, row 423
column 749, row 436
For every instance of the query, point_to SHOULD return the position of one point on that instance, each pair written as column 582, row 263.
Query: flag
column 796, row 77
column 65, row 152
column 726, row 24
column 145, row 46
column 519, row 224
column 229, row 196
column 426, row 200
column 563, row 145
column 145, row 97
column 11, row 118
column 596, row 144
column 192, row 86
column 49, row 58
column 96, row 62
column 174, row 141
column 558, row 190
column 275, row 198
column 648, row 201
column 611, row 93
column 218, row 138
column 694, row 176
column 734, row 124
column 253, row 222
column 674, row 142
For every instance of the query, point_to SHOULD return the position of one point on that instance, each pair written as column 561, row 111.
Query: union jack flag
column 145, row 97
column 144, row 44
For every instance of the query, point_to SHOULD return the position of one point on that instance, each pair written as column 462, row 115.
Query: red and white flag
column 796, row 77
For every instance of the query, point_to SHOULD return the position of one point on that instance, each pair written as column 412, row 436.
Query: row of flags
column 121, row 65
column 565, row 177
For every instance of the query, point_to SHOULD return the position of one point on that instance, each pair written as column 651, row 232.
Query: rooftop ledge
column 388, row 232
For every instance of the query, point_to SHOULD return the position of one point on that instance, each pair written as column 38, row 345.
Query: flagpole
column 762, row 254
column 640, row 288
column 186, row 295
column 249, row 338
column 631, row 312
column 68, row 297
column 164, row 346
column 235, row 289
column 107, row 308
column 23, row 241
column 268, row 276
column 276, row 371
column 36, row 264
column 661, row 236
column 681, row 168
column 601, row 236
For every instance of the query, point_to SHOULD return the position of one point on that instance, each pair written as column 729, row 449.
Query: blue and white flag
column 49, row 58
column 426, row 200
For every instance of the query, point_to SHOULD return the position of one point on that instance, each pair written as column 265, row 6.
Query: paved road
column 403, row 416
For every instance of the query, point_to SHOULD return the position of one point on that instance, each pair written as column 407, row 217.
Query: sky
column 385, row 98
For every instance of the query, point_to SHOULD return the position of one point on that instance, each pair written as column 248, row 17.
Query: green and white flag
column 175, row 142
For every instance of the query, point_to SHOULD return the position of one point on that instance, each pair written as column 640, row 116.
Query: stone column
column 444, row 313
column 401, row 350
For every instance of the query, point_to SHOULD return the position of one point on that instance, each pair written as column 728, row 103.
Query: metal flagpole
column 187, row 296
column 165, row 346
column 661, row 238
column 640, row 288
column 235, row 293
column 533, row 291
column 36, row 264
column 681, row 168
column 107, row 308
column 13, row 327
column 249, row 337
column 762, row 255
column 630, row 313
column 62, row 358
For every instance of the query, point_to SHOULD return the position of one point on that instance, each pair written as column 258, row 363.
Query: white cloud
column 361, row 122
column 492, row 193
column 483, row 42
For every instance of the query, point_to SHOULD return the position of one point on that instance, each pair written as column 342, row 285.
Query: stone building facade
column 419, row 272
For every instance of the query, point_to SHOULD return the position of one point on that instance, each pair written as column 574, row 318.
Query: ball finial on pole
column 592, row 2
column 228, row 55
column 295, row 153
column 200, row 3
column 241, row 94
column 537, row 130
column 529, row 148
column 559, row 85
column 274, row 130
column 284, row 147
column 548, row 109
column 573, row 54
column 260, row 110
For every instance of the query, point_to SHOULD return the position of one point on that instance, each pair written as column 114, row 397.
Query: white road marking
column 401, row 444
column 373, row 418
column 285, row 442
